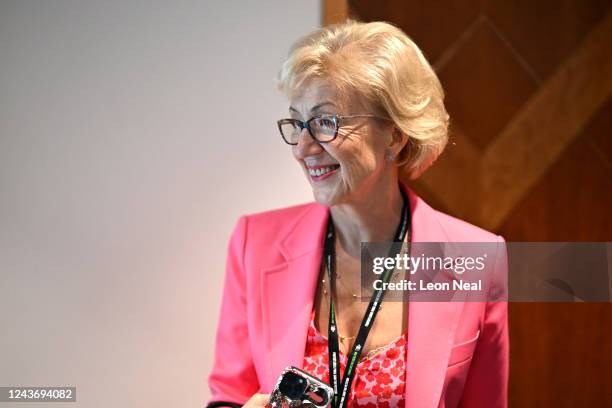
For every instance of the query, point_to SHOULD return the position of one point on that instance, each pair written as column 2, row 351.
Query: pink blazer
column 457, row 352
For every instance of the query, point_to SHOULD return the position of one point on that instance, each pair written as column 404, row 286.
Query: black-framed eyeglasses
column 323, row 128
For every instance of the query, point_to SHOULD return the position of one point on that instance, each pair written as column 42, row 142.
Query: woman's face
column 351, row 166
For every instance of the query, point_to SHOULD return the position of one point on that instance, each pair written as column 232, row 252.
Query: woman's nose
column 306, row 146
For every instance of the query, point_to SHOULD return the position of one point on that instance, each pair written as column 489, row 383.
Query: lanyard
column 342, row 386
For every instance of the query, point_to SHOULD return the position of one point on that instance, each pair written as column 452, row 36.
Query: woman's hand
column 257, row 401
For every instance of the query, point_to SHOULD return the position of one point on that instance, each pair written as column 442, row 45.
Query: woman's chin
column 325, row 198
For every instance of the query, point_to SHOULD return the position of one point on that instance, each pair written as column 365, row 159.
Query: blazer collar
column 287, row 299
column 306, row 234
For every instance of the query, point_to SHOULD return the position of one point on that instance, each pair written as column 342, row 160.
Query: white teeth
column 320, row 171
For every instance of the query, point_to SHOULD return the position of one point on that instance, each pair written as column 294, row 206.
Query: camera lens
column 292, row 386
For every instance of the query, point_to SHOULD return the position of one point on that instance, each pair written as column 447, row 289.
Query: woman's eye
column 327, row 123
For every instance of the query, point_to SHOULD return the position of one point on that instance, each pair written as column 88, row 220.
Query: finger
column 263, row 399
column 258, row 400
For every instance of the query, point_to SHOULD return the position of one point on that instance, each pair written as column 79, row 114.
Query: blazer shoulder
column 462, row 231
column 279, row 221
column 263, row 232
column 280, row 215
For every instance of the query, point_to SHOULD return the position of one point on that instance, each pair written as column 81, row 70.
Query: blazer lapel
column 288, row 291
column 431, row 325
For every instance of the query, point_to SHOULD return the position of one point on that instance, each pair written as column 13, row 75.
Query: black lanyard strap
column 342, row 386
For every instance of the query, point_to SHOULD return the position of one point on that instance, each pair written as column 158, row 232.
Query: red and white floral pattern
column 380, row 377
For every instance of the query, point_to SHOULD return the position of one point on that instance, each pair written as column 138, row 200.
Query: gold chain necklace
column 393, row 278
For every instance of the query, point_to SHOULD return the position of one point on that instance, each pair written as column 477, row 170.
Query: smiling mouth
column 321, row 171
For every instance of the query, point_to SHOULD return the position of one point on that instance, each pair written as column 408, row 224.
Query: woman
column 366, row 115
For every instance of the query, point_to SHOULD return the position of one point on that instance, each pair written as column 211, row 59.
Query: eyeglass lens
column 322, row 129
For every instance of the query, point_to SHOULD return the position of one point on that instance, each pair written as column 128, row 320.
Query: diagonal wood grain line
column 456, row 172
column 546, row 125
column 455, row 47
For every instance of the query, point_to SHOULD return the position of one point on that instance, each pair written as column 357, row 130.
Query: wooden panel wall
column 529, row 92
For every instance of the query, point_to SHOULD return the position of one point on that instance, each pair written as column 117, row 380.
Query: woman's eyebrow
column 314, row 108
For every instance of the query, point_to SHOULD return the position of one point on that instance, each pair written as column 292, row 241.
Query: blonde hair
column 381, row 63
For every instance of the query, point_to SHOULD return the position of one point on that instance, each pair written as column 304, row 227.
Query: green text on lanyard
column 342, row 388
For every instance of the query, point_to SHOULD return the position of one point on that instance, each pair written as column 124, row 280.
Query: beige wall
column 132, row 136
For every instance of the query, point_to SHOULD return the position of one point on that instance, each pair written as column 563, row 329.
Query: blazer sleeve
column 487, row 381
column 233, row 379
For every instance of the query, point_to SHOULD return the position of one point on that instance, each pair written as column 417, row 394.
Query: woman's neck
column 367, row 219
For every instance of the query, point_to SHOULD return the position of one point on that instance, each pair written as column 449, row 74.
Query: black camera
column 297, row 388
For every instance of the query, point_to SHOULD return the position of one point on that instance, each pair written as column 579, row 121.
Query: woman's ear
column 398, row 140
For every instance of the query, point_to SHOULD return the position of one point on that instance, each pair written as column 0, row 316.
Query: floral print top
column 380, row 375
